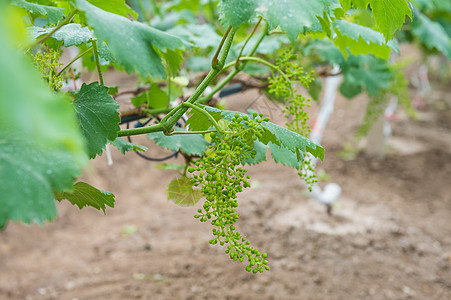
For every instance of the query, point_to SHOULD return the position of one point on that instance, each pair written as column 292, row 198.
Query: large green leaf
column 98, row 115
column 192, row 144
column 361, row 40
column 42, row 148
column 294, row 16
column 432, row 34
column 155, row 97
column 53, row 14
column 237, row 12
column 134, row 45
column 71, row 34
column 29, row 172
column 365, row 72
column 182, row 192
column 84, row 194
column 389, row 15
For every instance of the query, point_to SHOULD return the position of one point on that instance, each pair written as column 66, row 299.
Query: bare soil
column 389, row 236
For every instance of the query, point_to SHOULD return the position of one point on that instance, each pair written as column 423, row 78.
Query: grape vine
column 78, row 126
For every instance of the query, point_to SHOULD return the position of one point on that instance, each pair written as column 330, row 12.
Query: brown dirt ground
column 389, row 237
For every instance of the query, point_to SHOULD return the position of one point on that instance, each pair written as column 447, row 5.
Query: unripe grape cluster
column 47, row 63
column 284, row 86
column 221, row 176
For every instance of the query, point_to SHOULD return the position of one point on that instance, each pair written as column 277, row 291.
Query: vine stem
column 180, row 110
column 215, row 62
column 259, row 60
column 142, row 130
column 247, row 41
column 191, row 132
column 96, row 54
column 229, row 77
column 58, row 27
column 74, row 60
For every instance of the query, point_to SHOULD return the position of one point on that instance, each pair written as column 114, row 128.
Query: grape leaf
column 41, row 145
column 84, row 194
column 173, row 60
column 389, row 15
column 171, row 18
column 98, row 114
column 155, row 97
column 118, row 7
column 282, row 155
column 181, row 191
column 293, row 141
column 113, row 89
column 294, row 16
column 361, row 40
column 142, row 39
column 199, row 122
column 193, row 144
column 125, row 146
column 237, row 12
column 53, row 14
column 365, row 71
column 432, row 34
column 29, row 172
column 72, row 34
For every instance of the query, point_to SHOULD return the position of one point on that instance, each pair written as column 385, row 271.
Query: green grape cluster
column 47, row 63
column 284, row 86
column 221, row 177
